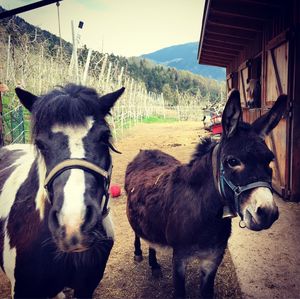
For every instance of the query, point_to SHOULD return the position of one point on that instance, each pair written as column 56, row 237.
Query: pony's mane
column 205, row 146
column 69, row 105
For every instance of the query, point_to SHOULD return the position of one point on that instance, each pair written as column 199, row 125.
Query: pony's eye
column 232, row 162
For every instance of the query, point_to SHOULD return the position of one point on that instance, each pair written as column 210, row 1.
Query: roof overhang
column 228, row 26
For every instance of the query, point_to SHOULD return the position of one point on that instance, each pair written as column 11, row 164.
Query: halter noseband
column 220, row 181
column 86, row 166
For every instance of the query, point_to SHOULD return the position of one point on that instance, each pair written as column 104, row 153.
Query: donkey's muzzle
column 262, row 218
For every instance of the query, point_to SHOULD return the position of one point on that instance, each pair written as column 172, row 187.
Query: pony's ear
column 232, row 114
column 27, row 99
column 107, row 101
column 266, row 123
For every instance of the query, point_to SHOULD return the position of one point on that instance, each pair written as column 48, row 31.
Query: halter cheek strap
column 86, row 166
column 220, row 180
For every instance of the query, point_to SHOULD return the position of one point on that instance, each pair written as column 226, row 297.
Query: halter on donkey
column 55, row 229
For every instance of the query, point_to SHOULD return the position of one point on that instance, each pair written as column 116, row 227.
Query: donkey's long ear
column 27, row 99
column 266, row 123
column 108, row 100
column 232, row 114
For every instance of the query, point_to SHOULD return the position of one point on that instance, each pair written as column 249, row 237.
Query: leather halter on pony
column 86, row 166
column 232, row 206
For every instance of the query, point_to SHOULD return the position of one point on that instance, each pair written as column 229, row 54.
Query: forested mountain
column 184, row 57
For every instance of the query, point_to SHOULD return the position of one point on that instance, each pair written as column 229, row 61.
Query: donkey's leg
column 138, row 254
column 155, row 266
column 179, row 267
column 208, row 273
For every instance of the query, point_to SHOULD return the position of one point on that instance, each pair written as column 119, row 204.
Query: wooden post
column 3, row 88
column 8, row 60
column 87, row 64
column 1, row 122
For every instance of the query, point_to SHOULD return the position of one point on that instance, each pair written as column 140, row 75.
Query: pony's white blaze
column 73, row 208
column 9, row 260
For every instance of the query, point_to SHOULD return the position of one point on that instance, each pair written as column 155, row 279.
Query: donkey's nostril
column 260, row 212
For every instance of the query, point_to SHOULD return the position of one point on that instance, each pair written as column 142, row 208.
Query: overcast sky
column 122, row 27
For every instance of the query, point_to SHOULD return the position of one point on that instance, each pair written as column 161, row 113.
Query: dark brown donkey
column 188, row 207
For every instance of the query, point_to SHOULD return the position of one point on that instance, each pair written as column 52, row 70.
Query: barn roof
column 228, row 26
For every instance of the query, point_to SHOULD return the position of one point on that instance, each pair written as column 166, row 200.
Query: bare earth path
column 123, row 277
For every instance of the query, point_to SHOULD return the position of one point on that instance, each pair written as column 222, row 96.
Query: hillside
column 184, row 57
column 156, row 78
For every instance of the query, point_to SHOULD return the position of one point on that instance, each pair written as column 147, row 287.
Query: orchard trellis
column 29, row 64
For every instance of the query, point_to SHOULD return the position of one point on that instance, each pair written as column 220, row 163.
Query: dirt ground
column 123, row 277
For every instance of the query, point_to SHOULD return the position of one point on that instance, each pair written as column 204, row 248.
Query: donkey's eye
column 232, row 162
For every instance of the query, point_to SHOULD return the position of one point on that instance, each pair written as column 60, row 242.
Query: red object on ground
column 217, row 129
column 115, row 190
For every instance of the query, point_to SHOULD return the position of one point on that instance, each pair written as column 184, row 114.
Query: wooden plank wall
column 279, row 74
column 295, row 109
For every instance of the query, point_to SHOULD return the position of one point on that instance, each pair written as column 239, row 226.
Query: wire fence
column 29, row 64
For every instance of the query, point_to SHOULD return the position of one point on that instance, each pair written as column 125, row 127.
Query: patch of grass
column 158, row 119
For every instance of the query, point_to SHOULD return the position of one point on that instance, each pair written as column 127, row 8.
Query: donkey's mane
column 205, row 146
column 69, row 105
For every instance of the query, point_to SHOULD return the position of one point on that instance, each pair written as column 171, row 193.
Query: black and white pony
column 188, row 206
column 55, row 229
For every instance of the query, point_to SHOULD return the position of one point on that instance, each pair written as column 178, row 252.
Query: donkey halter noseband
column 220, row 181
column 86, row 166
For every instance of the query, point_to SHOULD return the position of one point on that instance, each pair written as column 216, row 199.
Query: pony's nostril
column 89, row 214
column 53, row 220
column 90, row 217
column 74, row 240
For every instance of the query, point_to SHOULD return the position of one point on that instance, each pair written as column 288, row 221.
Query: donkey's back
column 147, row 168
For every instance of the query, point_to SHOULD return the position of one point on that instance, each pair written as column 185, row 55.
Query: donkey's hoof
column 157, row 273
column 138, row 258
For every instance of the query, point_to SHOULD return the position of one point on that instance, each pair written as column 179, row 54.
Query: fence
column 29, row 64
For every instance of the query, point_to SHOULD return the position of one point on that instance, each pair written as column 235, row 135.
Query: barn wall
column 278, row 46
column 295, row 110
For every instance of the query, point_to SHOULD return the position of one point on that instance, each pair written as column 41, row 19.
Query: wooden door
column 277, row 61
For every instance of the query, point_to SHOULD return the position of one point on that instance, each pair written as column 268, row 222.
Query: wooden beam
column 228, row 39
column 220, row 50
column 236, row 23
column 217, row 52
column 12, row 12
column 204, row 24
column 223, row 45
column 217, row 57
column 213, row 59
column 213, row 63
column 267, row 3
column 231, row 32
column 234, row 8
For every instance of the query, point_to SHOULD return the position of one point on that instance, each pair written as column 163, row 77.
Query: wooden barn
column 258, row 42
